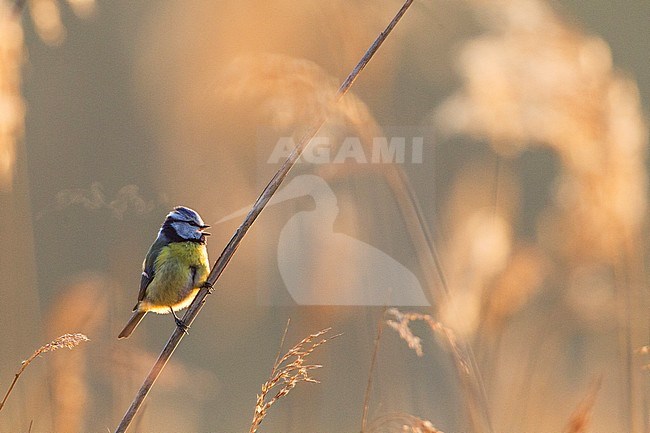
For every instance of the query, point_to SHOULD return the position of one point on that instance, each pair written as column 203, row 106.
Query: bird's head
column 185, row 224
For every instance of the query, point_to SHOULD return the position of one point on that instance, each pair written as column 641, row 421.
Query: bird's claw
column 208, row 286
column 182, row 325
column 179, row 323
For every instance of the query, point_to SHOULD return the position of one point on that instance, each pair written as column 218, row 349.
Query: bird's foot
column 208, row 286
column 179, row 322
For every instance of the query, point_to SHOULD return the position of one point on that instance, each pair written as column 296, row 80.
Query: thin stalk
column 11, row 387
column 371, row 372
column 241, row 231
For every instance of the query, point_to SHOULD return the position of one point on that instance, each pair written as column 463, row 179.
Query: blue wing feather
column 148, row 271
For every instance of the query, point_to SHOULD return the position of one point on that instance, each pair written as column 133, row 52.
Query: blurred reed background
column 535, row 189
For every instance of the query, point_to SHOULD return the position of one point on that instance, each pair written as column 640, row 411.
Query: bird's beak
column 203, row 227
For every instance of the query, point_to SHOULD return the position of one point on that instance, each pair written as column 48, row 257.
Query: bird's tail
column 133, row 322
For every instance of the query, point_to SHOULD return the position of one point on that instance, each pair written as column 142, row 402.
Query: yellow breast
column 180, row 269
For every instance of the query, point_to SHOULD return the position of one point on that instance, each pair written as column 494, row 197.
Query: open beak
column 203, row 227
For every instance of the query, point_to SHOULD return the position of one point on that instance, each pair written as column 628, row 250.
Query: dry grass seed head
column 400, row 321
column 66, row 341
column 288, row 371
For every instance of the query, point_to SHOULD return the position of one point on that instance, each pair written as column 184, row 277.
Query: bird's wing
column 144, row 283
column 149, row 267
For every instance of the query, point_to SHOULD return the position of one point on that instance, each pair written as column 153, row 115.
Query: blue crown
column 182, row 213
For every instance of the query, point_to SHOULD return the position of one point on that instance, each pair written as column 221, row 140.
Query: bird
column 175, row 268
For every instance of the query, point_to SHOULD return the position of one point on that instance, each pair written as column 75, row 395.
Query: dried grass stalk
column 288, row 371
column 69, row 341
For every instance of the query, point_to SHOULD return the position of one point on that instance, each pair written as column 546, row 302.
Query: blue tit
column 174, row 269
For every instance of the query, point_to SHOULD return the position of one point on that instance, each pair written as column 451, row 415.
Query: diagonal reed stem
column 241, row 231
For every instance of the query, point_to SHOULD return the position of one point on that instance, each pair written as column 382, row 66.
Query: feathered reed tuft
column 69, row 341
column 288, row 371
column 400, row 321
column 66, row 341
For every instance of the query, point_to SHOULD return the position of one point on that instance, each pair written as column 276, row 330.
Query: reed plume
column 69, row 341
column 287, row 372
column 12, row 106
column 535, row 83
